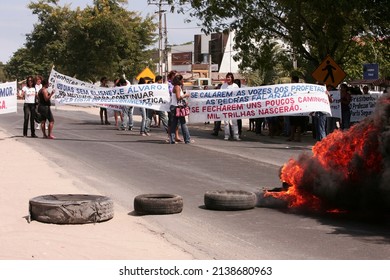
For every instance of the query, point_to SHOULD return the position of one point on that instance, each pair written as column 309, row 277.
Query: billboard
column 183, row 58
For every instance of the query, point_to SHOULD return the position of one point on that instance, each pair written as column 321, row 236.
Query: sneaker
column 143, row 134
column 226, row 138
column 237, row 139
column 34, row 136
column 190, row 142
column 38, row 126
column 147, row 133
column 130, row 128
column 107, row 122
column 51, row 137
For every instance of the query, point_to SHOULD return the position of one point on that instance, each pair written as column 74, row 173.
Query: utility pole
column 210, row 63
column 166, row 47
column 160, row 41
column 160, row 3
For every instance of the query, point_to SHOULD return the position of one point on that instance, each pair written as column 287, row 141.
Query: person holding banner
column 178, row 97
column 365, row 90
column 143, row 131
column 29, row 94
column 170, row 77
column 103, row 110
column 239, row 121
column 161, row 114
column 217, row 124
column 127, row 112
column 319, row 121
column 229, row 84
column 296, row 123
column 45, row 111
column 38, row 86
column 345, row 100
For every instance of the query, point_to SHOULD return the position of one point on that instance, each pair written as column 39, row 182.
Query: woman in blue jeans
column 178, row 97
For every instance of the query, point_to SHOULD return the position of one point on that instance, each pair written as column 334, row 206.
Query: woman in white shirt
column 29, row 93
column 229, row 84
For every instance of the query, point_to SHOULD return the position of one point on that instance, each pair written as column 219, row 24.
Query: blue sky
column 16, row 20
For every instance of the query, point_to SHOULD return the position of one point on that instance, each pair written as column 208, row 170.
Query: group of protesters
column 171, row 122
column 36, row 108
column 37, row 101
column 292, row 126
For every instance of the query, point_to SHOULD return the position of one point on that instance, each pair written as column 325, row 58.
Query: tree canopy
column 311, row 29
column 103, row 39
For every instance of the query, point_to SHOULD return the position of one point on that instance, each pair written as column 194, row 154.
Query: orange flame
column 340, row 152
column 339, row 148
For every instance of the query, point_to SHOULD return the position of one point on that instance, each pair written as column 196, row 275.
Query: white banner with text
column 258, row 102
column 8, row 97
column 72, row 91
column 361, row 105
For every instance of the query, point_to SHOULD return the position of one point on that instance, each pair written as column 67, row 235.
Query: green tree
column 313, row 29
column 108, row 40
column 21, row 65
column 101, row 40
column 2, row 73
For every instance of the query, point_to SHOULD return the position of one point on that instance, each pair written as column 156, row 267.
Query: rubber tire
column 158, row 204
column 229, row 200
column 71, row 208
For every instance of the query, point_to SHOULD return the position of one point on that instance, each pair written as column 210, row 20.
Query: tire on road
column 229, row 200
column 159, row 204
column 71, row 208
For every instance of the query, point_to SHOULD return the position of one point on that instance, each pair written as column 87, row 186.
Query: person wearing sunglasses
column 29, row 94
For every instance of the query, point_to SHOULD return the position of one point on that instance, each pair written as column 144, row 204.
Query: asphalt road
column 123, row 164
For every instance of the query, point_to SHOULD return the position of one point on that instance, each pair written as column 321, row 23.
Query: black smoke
column 362, row 184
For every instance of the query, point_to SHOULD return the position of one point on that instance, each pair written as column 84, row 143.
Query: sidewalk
column 26, row 174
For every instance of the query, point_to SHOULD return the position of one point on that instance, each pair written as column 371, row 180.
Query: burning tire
column 229, row 200
column 158, row 204
column 269, row 201
column 71, row 208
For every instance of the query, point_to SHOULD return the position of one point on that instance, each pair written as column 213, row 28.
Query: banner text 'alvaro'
column 150, row 96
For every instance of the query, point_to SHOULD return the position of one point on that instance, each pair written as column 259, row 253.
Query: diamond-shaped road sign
column 329, row 72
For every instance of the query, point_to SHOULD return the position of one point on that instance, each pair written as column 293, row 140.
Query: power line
column 184, row 27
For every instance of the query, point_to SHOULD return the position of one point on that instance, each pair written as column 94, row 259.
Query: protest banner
column 257, row 102
column 215, row 105
column 58, row 77
column 361, row 105
column 72, row 91
column 8, row 97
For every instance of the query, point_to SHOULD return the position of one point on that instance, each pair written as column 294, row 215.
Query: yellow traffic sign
column 146, row 74
column 329, row 72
